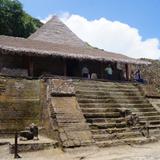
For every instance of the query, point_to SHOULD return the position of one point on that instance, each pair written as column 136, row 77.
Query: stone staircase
column 101, row 102
column 66, row 116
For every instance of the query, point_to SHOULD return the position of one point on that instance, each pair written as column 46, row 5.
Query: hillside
column 152, row 74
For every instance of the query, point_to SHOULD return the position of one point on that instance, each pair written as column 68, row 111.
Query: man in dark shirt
column 34, row 131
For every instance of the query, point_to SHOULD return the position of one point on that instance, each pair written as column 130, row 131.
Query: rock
column 63, row 137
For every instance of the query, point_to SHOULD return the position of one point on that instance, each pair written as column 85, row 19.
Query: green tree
column 14, row 21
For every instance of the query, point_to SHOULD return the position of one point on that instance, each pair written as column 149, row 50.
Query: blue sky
column 142, row 14
column 131, row 27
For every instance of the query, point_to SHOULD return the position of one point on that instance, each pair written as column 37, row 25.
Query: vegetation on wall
column 152, row 73
column 14, row 21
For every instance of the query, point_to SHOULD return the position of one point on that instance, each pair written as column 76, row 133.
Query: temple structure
column 55, row 50
column 72, row 111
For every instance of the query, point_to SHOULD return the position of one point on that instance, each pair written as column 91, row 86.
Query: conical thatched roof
column 55, row 31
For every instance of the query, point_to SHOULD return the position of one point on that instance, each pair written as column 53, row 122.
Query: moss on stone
column 20, row 103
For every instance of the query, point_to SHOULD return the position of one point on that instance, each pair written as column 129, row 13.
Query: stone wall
column 14, row 72
column 20, row 103
column 61, row 86
column 155, row 102
column 149, row 90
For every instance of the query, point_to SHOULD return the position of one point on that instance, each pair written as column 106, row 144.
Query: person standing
column 85, row 72
column 138, row 76
column 109, row 72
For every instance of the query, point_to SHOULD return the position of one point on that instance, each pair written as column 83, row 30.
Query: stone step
column 117, row 114
column 148, row 113
column 114, row 105
column 73, row 125
column 80, row 100
column 112, row 127
column 155, row 126
column 120, row 119
column 102, row 93
column 93, row 82
column 154, row 122
column 127, row 141
column 121, row 131
column 107, row 89
column 149, row 109
column 111, row 124
column 108, row 130
column 102, row 97
column 107, row 125
column 103, row 84
column 69, row 120
column 97, row 110
column 103, row 120
column 102, row 115
column 125, row 129
column 152, row 117
column 114, row 123
column 107, row 136
column 32, row 145
column 101, row 103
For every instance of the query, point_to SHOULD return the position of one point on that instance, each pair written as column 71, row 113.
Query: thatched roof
column 21, row 46
column 56, row 32
column 68, row 47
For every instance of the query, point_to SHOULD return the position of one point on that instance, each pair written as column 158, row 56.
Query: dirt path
column 144, row 152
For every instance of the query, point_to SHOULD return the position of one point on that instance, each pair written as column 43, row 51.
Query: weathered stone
column 32, row 145
column 68, row 115
column 61, row 130
column 77, row 142
column 61, row 86
column 20, row 103
column 68, row 143
column 63, row 137
column 14, row 72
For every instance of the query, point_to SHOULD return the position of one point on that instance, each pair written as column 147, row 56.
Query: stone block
column 63, row 137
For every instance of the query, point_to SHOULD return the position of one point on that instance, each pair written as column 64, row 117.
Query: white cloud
column 112, row 36
column 46, row 19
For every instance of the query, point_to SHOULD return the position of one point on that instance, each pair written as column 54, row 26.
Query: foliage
column 14, row 21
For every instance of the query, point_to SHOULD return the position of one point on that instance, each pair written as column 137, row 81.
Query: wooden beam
column 30, row 67
column 65, row 67
column 102, row 70
column 127, row 71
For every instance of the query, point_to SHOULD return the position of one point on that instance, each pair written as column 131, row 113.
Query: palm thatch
column 57, row 32
column 47, row 42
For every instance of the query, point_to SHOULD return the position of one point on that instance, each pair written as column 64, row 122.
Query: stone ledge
column 31, row 145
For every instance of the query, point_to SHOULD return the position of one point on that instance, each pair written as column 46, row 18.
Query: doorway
column 72, row 68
